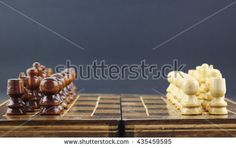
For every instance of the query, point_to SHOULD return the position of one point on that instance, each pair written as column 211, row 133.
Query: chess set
column 42, row 103
column 41, row 89
column 200, row 90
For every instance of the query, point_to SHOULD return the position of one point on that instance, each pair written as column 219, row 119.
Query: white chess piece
column 171, row 88
column 190, row 103
column 218, row 90
column 212, row 73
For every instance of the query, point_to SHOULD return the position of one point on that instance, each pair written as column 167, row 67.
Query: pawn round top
column 218, row 87
column 15, row 87
column 60, row 78
column 49, row 86
column 190, row 86
column 66, row 77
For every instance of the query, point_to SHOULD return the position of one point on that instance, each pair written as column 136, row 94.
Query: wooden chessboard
column 88, row 116
column 152, row 115
column 106, row 115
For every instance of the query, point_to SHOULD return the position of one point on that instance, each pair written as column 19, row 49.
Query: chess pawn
column 50, row 102
column 72, row 78
column 15, row 91
column 190, row 103
column 61, row 82
column 32, row 84
column 218, row 89
column 68, row 89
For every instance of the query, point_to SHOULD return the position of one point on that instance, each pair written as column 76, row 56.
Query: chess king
column 201, row 89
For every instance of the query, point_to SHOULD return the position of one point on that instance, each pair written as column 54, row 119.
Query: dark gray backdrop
column 119, row 31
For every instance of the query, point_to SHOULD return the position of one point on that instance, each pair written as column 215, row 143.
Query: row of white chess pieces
column 200, row 90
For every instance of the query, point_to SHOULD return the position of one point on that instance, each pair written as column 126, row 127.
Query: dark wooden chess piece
column 48, row 72
column 72, row 85
column 62, row 95
column 67, row 88
column 26, row 98
column 71, row 76
column 32, row 84
column 15, row 91
column 40, row 69
column 50, row 102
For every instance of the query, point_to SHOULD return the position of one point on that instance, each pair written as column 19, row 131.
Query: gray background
column 121, row 32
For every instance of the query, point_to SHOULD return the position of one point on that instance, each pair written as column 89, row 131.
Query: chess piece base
column 51, row 110
column 218, row 111
column 15, row 111
column 191, row 111
column 64, row 105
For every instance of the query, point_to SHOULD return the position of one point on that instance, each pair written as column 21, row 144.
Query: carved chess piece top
column 218, row 90
column 41, row 69
column 49, row 86
column 32, row 81
column 15, row 87
column 15, row 90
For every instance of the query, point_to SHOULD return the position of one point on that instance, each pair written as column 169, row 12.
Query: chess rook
column 218, row 89
column 15, row 91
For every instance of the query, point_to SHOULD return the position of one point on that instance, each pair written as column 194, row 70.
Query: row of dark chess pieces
column 41, row 90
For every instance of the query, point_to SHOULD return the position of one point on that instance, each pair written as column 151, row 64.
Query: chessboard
column 154, row 116
column 115, row 115
column 89, row 115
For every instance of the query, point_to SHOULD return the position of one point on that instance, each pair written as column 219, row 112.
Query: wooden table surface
column 106, row 115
